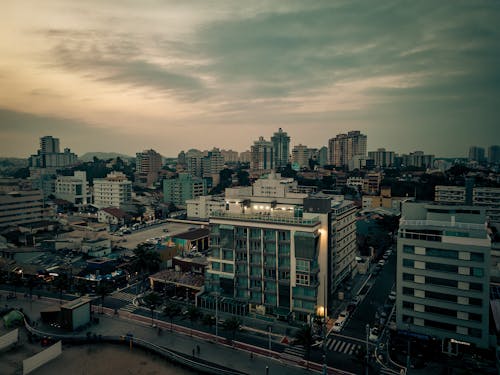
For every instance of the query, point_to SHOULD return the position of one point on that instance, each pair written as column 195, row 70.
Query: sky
column 126, row 75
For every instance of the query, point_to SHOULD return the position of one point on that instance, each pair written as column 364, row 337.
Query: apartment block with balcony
column 185, row 187
column 443, row 272
column 279, row 252
column 115, row 190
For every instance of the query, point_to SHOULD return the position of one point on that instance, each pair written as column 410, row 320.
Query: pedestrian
column 193, row 352
column 198, row 350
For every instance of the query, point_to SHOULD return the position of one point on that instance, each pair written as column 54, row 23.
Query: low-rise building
column 114, row 190
column 203, row 206
column 185, row 187
column 74, row 189
column 113, row 216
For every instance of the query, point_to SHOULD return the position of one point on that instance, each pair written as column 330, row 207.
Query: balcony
column 267, row 218
column 438, row 223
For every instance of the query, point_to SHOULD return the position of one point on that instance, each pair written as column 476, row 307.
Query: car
column 376, row 271
column 338, row 325
column 350, row 307
column 381, row 262
column 356, row 300
column 344, row 314
column 388, row 252
column 373, row 336
column 392, row 296
column 385, row 257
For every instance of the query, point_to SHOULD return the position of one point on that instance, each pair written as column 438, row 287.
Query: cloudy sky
column 125, row 75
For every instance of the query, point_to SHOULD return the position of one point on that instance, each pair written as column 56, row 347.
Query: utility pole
column 269, row 336
column 367, row 347
column 217, row 317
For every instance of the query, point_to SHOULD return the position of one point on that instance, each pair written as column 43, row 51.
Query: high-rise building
column 262, row 157
column 114, row 190
column 301, row 155
column 382, row 158
column 494, row 154
column 443, row 273
column 278, row 252
column 245, row 156
column 74, row 189
column 417, row 159
column 148, row 165
column 49, row 145
column 476, row 154
column 48, row 156
column 185, row 187
column 323, row 156
column 344, row 147
column 281, row 147
column 229, row 156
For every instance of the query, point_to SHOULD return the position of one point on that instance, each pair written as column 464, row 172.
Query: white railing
column 266, row 218
column 438, row 223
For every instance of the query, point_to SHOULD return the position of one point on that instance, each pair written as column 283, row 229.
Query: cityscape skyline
column 128, row 77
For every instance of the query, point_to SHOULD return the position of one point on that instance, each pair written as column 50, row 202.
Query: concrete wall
column 9, row 338
column 32, row 363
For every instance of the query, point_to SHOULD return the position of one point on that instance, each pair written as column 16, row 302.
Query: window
column 302, row 279
column 302, row 265
column 441, row 267
column 441, row 282
column 476, row 286
column 440, row 311
column 475, row 317
column 477, row 257
column 408, row 276
column 477, row 272
column 408, row 249
column 408, row 263
column 440, row 325
column 441, row 253
column 440, row 296
column 408, row 291
column 475, row 302
column 408, row 305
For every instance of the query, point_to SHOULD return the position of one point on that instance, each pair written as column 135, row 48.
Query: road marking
column 342, row 346
column 330, row 346
column 337, row 345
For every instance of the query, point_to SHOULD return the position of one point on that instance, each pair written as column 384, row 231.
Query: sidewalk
column 221, row 353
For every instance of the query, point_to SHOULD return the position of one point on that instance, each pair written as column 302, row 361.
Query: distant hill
column 89, row 156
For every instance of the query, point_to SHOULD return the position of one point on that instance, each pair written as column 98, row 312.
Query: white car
column 392, row 296
column 381, row 262
column 373, row 336
column 338, row 325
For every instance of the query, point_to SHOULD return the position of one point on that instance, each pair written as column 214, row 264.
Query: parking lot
column 130, row 241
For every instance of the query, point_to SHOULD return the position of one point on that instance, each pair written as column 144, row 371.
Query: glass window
column 441, row 267
column 440, row 325
column 475, row 302
column 440, row 311
column 441, row 282
column 408, row 249
column 475, row 317
column 408, row 291
column 440, row 296
column 478, row 272
column 477, row 257
column 408, row 305
column 410, row 263
column 441, row 253
column 476, row 286
column 475, row 332
column 302, row 265
column 408, row 276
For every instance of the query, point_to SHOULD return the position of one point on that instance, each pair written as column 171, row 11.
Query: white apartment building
column 443, row 273
column 203, row 206
column 74, row 189
column 112, row 191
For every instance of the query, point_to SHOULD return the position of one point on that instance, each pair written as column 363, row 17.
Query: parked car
column 392, row 296
column 344, row 314
column 373, row 336
column 338, row 325
column 381, row 262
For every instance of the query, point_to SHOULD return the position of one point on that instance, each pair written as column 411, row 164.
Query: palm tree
column 232, row 324
column 103, row 290
column 146, row 259
column 152, row 300
column 171, row 311
column 304, row 337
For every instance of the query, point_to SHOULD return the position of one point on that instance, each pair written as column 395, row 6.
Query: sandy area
column 109, row 359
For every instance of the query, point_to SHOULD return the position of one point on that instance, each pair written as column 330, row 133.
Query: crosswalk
column 340, row 346
column 126, row 297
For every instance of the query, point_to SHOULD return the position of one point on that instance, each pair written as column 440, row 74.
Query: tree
column 208, row 320
column 146, row 258
column 152, row 300
column 243, row 178
column 103, row 290
column 171, row 310
column 61, row 283
column 304, row 337
column 232, row 324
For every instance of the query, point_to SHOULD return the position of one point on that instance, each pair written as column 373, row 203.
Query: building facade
column 344, row 147
column 262, row 155
column 179, row 190
column 494, row 154
column 278, row 252
column 115, row 190
column 23, row 208
column 74, row 189
column 281, row 148
column 148, row 166
column 203, row 206
column 443, row 273
column 382, row 158
column 476, row 154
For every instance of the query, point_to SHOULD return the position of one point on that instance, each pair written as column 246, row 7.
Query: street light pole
column 216, row 317
column 367, row 347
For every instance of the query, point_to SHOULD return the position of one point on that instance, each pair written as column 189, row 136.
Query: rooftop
column 182, row 278
column 266, row 218
column 193, row 234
